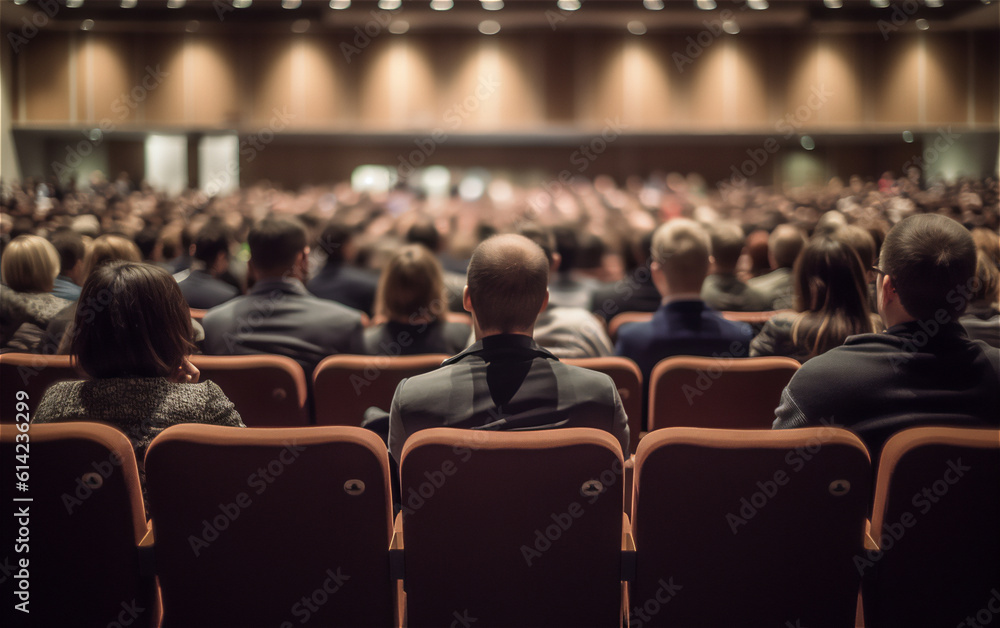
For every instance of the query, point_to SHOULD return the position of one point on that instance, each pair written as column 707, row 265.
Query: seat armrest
column 147, row 559
column 870, row 543
column 628, row 550
column 396, row 549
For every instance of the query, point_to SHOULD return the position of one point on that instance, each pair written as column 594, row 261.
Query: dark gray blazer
column 506, row 382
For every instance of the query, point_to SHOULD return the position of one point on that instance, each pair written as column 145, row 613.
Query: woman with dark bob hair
column 831, row 299
column 133, row 338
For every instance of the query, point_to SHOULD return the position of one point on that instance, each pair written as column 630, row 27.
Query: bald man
column 505, row 381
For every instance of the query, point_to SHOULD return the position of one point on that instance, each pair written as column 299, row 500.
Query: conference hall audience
column 135, row 349
column 279, row 315
column 722, row 290
column 783, row 247
column 831, row 303
column 505, row 380
column 982, row 316
column 28, row 270
column 411, row 308
column 200, row 283
column 924, row 370
column 636, row 292
column 683, row 324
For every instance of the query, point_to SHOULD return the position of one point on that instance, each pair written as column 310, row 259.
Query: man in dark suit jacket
column 722, row 290
column 279, row 315
column 338, row 280
column 199, row 284
column 683, row 324
column 923, row 370
column 783, row 247
column 505, row 381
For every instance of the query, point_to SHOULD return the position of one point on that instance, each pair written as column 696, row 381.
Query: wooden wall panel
column 985, row 51
column 271, row 85
column 165, row 105
column 210, row 82
column 894, row 80
column 48, row 78
column 946, row 80
column 321, row 84
column 108, row 79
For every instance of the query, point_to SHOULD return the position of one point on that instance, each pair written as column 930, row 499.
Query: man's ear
column 466, row 300
column 545, row 301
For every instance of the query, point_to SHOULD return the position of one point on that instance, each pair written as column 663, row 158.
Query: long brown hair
column 831, row 294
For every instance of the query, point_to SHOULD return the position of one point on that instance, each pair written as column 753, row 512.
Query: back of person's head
column 987, row 290
column 132, row 322
column 784, row 245
column 756, row 245
column 275, row 244
column 411, row 286
column 335, row 238
column 592, row 249
column 828, row 223
column 930, row 259
column 540, row 235
column 147, row 239
column 211, row 241
column 568, row 247
column 69, row 244
column 988, row 242
column 682, row 247
column 30, row 264
column 508, row 283
column 110, row 247
column 830, row 290
column 727, row 245
column 860, row 240
column 424, row 232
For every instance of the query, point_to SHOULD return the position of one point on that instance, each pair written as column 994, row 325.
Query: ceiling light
column 340, row 5
column 489, row 27
column 128, row 4
column 398, row 27
column 908, row 137
column 192, row 26
column 807, row 142
column 923, row 24
column 731, row 27
column 389, row 5
column 568, row 5
column 74, row 4
column 175, row 4
column 653, row 5
column 757, row 5
column 934, row 3
column 705, row 5
column 880, row 4
column 300, row 26
column 86, row 25
column 833, row 4
column 20, row 2
column 291, row 4
column 636, row 27
column 492, row 5
column 442, row 5
column 242, row 4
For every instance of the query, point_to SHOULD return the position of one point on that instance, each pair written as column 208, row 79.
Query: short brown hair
column 931, row 260
column 275, row 243
column 30, row 264
column 131, row 321
column 727, row 245
column 411, row 284
column 785, row 244
column 110, row 247
column 508, row 281
column 681, row 247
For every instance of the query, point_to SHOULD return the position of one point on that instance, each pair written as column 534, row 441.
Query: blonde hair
column 30, row 264
column 411, row 286
column 682, row 247
column 108, row 248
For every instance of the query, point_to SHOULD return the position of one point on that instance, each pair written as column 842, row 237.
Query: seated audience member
column 924, row 370
column 863, row 243
column 568, row 288
column 426, row 234
column 28, row 268
column 410, row 307
column 756, row 261
column 636, row 292
column 135, row 349
column 200, row 284
column 505, row 381
column 567, row 332
column 339, row 280
column 279, row 315
column 783, row 247
column 722, row 290
column 107, row 248
column 982, row 316
column 683, row 324
column 69, row 244
column 831, row 303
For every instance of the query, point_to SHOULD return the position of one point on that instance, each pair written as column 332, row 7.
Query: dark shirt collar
column 280, row 284
column 503, row 346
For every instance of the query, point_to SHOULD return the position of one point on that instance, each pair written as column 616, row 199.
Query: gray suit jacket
column 506, row 382
column 281, row 317
column 776, row 287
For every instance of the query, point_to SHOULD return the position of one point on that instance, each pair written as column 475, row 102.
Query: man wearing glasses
column 923, row 370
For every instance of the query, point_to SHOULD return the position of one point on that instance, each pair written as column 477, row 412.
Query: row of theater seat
column 271, row 391
column 293, row 526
